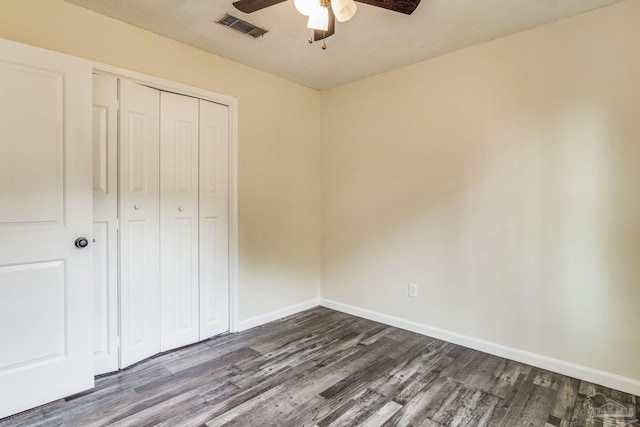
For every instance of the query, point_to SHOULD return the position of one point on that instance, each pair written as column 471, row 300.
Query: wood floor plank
column 532, row 404
column 510, row 374
column 565, row 399
column 426, row 401
column 383, row 414
column 466, row 407
column 327, row 369
column 366, row 404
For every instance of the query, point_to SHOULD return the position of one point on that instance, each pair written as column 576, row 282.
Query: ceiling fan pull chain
column 311, row 37
column 324, row 40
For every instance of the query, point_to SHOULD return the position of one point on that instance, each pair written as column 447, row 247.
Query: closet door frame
column 232, row 104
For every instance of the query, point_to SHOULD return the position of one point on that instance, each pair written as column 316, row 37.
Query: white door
column 179, row 220
column 45, row 205
column 139, row 222
column 214, row 219
column 105, row 220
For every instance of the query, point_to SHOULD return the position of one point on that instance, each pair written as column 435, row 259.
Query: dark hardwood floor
column 324, row 368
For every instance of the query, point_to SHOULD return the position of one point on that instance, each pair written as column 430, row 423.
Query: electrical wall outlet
column 413, row 290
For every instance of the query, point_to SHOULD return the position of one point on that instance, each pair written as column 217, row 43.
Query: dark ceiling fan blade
column 249, row 6
column 403, row 6
column 319, row 34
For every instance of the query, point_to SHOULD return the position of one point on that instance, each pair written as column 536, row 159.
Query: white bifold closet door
column 105, row 223
column 179, row 220
column 139, row 222
column 214, row 219
column 174, row 261
column 193, row 220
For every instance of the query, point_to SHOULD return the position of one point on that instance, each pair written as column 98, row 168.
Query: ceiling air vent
column 241, row 25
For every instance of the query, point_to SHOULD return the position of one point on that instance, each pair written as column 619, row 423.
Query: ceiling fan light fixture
column 305, row 7
column 319, row 18
column 323, row 14
column 343, row 9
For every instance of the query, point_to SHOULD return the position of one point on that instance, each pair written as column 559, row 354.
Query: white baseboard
column 278, row 314
column 617, row 382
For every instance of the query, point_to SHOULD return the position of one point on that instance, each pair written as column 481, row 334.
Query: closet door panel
column 214, row 252
column 179, row 220
column 139, row 222
column 105, row 218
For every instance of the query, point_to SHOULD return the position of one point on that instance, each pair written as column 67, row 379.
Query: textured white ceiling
column 374, row 41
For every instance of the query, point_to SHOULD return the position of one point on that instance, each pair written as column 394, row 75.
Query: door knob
column 81, row 242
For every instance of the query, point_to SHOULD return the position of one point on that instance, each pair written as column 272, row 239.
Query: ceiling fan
column 323, row 13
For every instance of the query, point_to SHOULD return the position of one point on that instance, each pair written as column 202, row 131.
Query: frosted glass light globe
column 343, row 9
column 319, row 18
column 305, row 7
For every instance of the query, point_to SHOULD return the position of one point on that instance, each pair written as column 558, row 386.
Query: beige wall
column 279, row 169
column 503, row 180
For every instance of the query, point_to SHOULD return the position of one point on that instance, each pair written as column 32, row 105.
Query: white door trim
column 232, row 103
